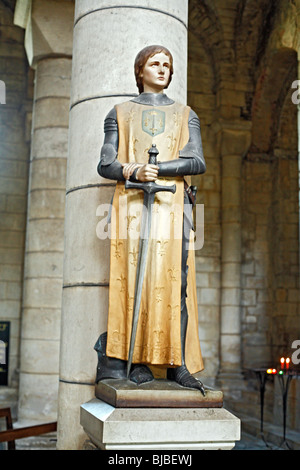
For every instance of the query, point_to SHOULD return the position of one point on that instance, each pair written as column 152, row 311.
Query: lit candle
column 287, row 362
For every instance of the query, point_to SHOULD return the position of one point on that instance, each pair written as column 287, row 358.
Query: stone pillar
column 15, row 120
column 298, row 127
column 43, row 264
column 234, row 142
column 107, row 37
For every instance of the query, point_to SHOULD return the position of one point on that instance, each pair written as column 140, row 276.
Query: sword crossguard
column 150, row 187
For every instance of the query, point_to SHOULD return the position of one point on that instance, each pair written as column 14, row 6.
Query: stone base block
column 122, row 393
column 111, row 428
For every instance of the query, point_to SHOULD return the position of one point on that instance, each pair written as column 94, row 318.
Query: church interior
column 242, row 81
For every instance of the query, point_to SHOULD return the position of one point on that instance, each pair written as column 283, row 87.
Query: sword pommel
column 153, row 152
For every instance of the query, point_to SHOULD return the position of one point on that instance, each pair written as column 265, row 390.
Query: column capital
column 48, row 28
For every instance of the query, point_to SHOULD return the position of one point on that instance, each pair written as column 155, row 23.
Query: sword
column 149, row 188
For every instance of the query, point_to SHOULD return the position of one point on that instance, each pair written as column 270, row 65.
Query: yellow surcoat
column 158, row 332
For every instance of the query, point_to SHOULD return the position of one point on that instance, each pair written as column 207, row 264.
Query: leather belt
column 191, row 192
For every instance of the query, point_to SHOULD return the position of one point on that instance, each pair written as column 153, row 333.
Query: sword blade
column 140, row 273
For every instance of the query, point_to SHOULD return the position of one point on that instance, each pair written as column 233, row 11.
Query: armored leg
column 108, row 367
column 181, row 374
column 140, row 374
column 113, row 368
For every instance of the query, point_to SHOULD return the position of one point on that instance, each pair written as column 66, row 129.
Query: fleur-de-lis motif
column 158, row 295
column 162, row 245
column 116, row 245
column 172, row 141
column 122, row 280
column 129, row 303
column 176, row 118
column 118, row 337
column 130, row 116
column 129, row 220
column 133, row 148
column 147, row 150
column 144, row 318
column 172, row 312
column 172, row 273
column 158, row 336
column 134, row 259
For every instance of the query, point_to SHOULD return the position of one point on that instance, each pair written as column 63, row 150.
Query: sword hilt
column 153, row 152
column 149, row 186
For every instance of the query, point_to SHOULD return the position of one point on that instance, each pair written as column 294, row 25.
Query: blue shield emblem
column 153, row 122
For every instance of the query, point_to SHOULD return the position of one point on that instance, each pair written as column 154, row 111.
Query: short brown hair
column 141, row 60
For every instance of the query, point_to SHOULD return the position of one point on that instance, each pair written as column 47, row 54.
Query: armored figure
column 167, row 328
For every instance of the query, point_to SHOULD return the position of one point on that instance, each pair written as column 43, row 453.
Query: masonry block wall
column 201, row 97
column 15, row 123
column 242, row 63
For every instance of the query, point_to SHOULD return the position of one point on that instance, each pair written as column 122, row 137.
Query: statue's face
column 156, row 73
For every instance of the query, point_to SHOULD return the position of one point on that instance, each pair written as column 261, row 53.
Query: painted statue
column 164, row 319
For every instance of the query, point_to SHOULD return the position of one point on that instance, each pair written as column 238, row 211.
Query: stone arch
column 253, row 25
column 205, row 26
column 275, row 80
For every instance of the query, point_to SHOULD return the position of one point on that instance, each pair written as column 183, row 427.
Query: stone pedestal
column 159, row 415
column 160, row 393
column 111, row 428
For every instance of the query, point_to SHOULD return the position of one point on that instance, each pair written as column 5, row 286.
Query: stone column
column 298, row 127
column 234, row 142
column 49, row 53
column 107, row 37
column 15, row 120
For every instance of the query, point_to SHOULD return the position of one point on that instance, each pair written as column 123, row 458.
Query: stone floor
column 249, row 442
column 272, row 435
column 48, row 442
